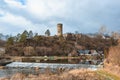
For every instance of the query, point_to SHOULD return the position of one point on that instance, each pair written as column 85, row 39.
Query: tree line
column 28, row 44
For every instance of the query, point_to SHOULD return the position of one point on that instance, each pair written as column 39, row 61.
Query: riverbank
column 77, row 74
column 108, row 74
column 112, row 69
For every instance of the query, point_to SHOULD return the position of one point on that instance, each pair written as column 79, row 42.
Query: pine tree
column 30, row 34
column 10, row 41
column 24, row 36
column 17, row 38
column 47, row 33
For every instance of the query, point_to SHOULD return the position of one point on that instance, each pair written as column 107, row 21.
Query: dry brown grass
column 78, row 74
column 114, row 55
column 112, row 63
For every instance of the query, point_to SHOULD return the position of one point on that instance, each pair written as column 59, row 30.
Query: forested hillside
column 28, row 44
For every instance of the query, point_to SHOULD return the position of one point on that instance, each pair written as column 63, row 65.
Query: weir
column 51, row 65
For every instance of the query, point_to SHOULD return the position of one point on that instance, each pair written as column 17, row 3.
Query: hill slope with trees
column 29, row 44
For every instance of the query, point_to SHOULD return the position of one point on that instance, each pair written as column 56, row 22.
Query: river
column 30, row 67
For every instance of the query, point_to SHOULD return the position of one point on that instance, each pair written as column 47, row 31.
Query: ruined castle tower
column 59, row 29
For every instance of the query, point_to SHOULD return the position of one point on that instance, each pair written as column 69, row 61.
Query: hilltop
column 39, row 45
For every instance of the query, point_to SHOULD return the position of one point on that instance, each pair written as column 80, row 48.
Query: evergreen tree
column 26, row 33
column 24, row 36
column 36, row 37
column 18, row 37
column 10, row 41
column 30, row 35
column 47, row 33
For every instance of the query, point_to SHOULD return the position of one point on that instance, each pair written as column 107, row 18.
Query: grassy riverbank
column 77, row 74
column 108, row 75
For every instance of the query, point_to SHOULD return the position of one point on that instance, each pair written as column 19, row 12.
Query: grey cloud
column 82, row 15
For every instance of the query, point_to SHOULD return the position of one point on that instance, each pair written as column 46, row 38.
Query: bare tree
column 102, row 30
column 115, row 35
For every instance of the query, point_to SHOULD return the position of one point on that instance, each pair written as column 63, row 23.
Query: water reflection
column 67, row 61
column 91, row 62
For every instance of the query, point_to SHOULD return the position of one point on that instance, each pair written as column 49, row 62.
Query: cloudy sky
column 84, row 16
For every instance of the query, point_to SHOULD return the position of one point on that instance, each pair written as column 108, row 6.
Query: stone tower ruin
column 59, row 29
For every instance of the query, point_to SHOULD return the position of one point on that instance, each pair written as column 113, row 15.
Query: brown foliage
column 112, row 62
column 114, row 55
column 69, row 75
column 2, row 43
column 58, row 47
column 41, row 51
column 96, row 43
column 28, row 51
